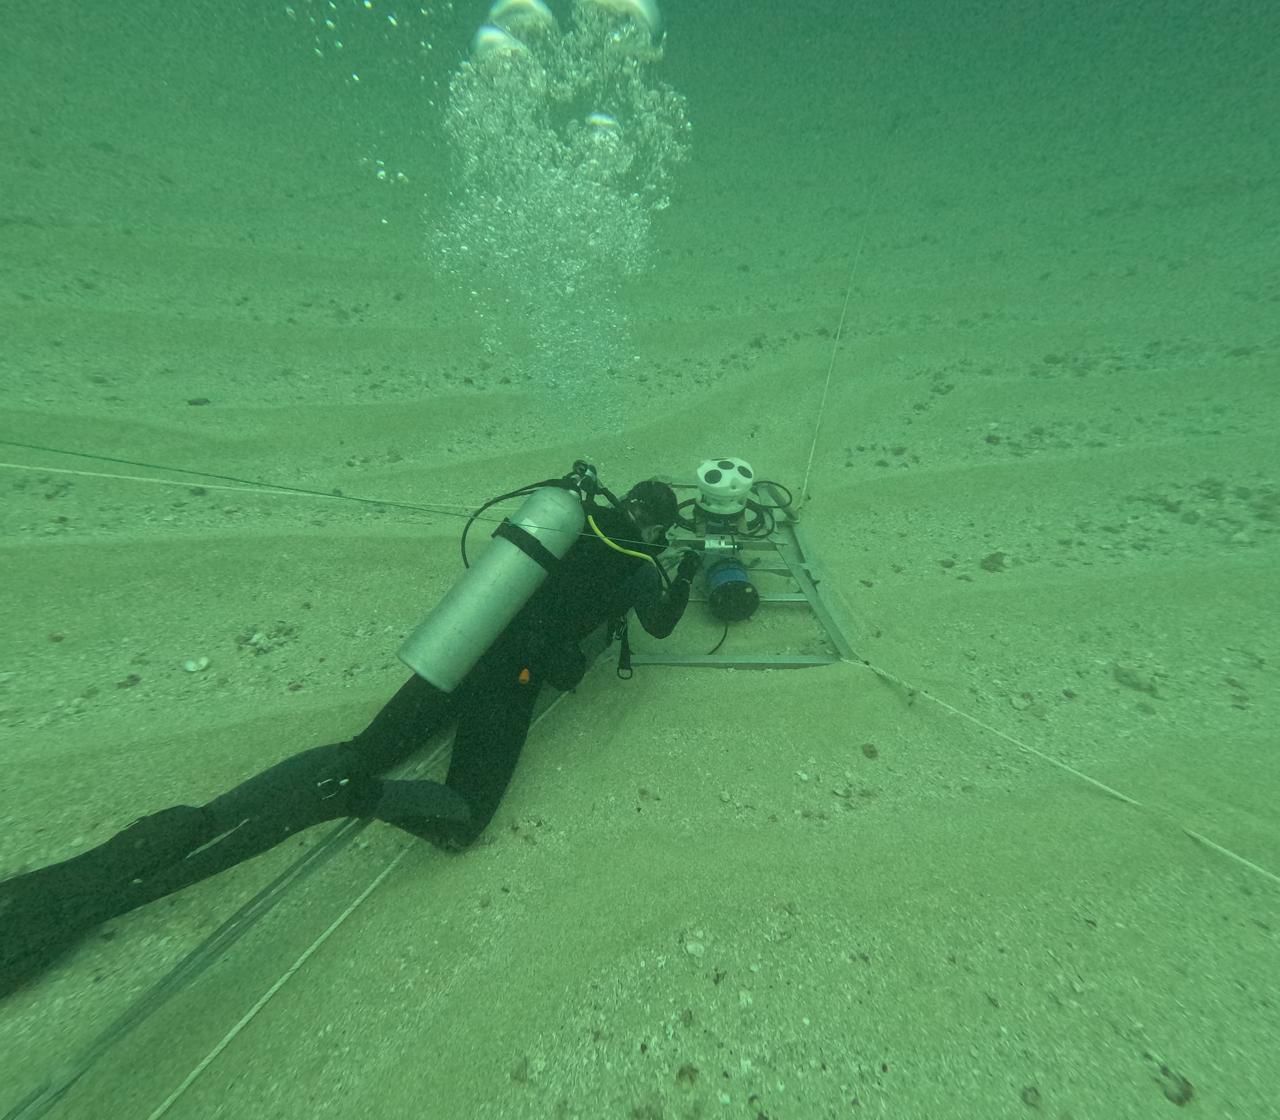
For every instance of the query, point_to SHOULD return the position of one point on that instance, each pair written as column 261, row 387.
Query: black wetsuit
column 591, row 586
column 43, row 912
column 494, row 705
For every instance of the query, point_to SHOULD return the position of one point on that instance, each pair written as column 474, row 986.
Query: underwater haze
column 992, row 287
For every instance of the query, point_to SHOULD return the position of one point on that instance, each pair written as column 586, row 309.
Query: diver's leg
column 43, row 912
column 305, row 789
column 494, row 710
column 415, row 713
column 316, row 785
column 492, row 730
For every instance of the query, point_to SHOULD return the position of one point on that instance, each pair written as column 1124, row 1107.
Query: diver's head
column 653, row 507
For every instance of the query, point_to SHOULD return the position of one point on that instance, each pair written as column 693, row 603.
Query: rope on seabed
column 289, row 491
column 1110, row 791
column 270, row 993
column 242, row 485
column 835, row 346
column 249, row 486
column 306, row 955
column 804, row 493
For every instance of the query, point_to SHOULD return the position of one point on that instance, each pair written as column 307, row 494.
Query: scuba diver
column 557, row 570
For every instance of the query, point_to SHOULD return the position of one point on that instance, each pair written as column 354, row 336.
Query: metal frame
column 793, row 561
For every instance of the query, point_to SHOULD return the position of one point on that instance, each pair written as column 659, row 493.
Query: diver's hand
column 690, row 565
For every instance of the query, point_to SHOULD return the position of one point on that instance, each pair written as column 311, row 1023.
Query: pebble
column 196, row 664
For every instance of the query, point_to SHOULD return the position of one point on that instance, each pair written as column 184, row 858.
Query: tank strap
column 527, row 543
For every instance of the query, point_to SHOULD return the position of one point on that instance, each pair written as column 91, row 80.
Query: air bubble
column 563, row 147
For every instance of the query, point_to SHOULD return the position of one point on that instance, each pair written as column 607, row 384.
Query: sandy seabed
column 1043, row 489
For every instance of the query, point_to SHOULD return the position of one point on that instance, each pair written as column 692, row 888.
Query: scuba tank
column 446, row 644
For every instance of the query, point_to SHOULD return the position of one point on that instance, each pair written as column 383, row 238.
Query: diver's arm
column 659, row 608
